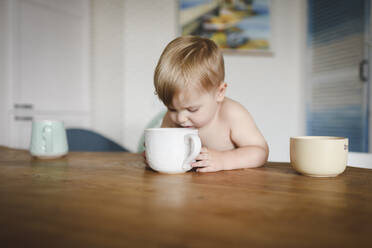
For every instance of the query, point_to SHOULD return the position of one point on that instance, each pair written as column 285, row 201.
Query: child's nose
column 181, row 117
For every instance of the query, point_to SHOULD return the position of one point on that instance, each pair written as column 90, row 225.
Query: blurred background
column 90, row 63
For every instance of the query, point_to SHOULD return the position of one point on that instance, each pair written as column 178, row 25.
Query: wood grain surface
column 113, row 200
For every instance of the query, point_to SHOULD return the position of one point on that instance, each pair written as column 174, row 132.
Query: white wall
column 149, row 26
column 4, row 63
column 269, row 87
column 107, row 67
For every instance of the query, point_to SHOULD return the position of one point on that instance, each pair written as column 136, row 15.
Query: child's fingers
column 144, row 158
column 206, row 169
column 202, row 156
column 204, row 150
column 201, row 163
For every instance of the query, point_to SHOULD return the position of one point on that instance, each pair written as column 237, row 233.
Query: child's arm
column 252, row 150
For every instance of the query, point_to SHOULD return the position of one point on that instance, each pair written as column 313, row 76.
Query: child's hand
column 144, row 158
column 209, row 161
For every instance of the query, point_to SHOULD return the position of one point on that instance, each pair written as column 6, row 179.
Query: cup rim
column 318, row 138
column 48, row 120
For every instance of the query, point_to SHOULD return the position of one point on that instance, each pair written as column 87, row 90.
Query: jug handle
column 195, row 144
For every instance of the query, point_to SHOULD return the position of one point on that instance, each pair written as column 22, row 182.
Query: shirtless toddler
column 189, row 80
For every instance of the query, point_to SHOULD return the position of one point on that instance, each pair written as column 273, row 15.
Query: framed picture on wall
column 242, row 26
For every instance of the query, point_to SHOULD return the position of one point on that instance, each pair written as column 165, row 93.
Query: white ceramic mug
column 48, row 139
column 319, row 156
column 171, row 150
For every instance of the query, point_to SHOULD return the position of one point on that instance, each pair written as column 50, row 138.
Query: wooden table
column 112, row 200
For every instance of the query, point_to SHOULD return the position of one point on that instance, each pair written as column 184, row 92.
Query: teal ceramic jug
column 48, row 139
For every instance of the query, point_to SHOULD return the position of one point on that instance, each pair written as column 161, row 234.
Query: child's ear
column 221, row 92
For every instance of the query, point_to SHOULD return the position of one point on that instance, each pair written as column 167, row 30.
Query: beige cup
column 319, row 156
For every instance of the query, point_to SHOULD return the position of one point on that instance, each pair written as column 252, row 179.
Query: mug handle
column 47, row 136
column 195, row 144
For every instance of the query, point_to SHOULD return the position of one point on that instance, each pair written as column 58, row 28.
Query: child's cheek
column 173, row 117
column 198, row 119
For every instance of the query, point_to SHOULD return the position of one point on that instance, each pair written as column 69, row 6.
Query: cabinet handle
column 362, row 71
column 23, row 118
column 23, row 106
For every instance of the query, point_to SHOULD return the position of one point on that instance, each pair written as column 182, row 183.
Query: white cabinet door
column 20, row 131
column 50, row 55
column 50, row 64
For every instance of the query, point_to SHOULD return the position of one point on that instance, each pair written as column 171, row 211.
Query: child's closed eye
column 193, row 109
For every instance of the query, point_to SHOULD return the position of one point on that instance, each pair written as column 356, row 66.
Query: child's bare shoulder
column 244, row 130
column 233, row 111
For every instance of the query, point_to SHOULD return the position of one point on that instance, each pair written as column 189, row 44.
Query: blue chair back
column 86, row 140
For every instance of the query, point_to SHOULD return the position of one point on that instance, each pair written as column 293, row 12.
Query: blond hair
column 186, row 62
